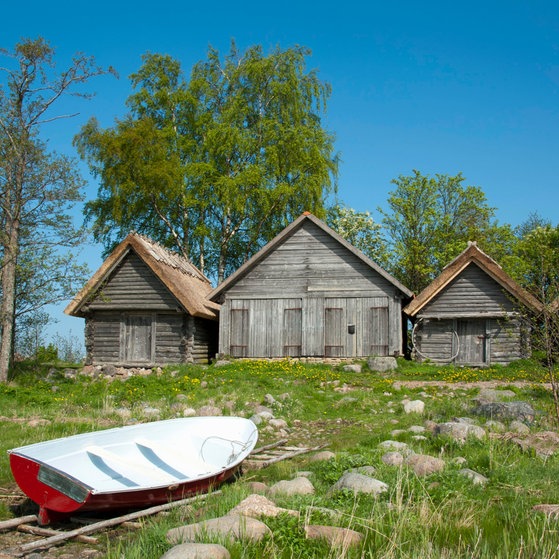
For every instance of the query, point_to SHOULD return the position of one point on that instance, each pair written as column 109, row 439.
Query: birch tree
column 216, row 165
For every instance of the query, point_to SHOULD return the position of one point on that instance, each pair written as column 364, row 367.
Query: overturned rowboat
column 132, row 467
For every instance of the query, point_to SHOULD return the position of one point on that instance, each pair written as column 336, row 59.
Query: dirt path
column 466, row 385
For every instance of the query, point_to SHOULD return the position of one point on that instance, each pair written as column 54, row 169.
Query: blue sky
column 442, row 87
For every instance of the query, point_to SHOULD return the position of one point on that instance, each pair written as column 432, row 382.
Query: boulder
column 520, row 411
column 360, row 483
column 425, row 465
column 382, row 364
column 336, row 537
column 297, row 486
column 231, row 526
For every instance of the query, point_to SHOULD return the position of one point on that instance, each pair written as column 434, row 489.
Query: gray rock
column 477, row 479
column 519, row 427
column 365, row 470
column 494, row 395
column 495, row 426
column 393, row 458
column 209, row 410
column 389, row 445
column 336, row 537
column 322, row 455
column 425, row 465
column 197, row 551
column 257, row 505
column 417, row 429
column 415, row 406
column 278, row 423
column 359, row 483
column 460, row 431
column 353, row 368
column 382, row 364
column 297, row 486
column 520, row 411
column 232, row 526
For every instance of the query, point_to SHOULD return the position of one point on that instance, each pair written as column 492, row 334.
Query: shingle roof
column 286, row 233
column 472, row 254
column 188, row 285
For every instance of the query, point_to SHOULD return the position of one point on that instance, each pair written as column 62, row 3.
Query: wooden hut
column 146, row 306
column 310, row 293
column 472, row 314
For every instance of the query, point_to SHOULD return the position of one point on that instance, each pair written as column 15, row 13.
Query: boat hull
column 55, row 505
column 60, row 492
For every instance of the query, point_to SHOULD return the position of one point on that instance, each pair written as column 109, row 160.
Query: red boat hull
column 56, row 505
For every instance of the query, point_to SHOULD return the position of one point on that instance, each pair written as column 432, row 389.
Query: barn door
column 137, row 343
column 472, row 340
column 334, row 330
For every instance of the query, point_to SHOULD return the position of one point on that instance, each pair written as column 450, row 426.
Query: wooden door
column 335, row 328
column 138, row 341
column 472, row 340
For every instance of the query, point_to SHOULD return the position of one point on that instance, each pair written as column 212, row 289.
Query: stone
column 209, row 410
column 477, row 479
column 394, row 458
column 521, row 411
column 278, row 423
column 382, row 364
column 336, row 537
column 519, row 427
column 425, row 465
column 549, row 510
column 257, row 505
column 460, row 431
column 415, row 406
column 417, row 429
column 297, row 486
column 197, row 551
column 390, row 445
column 360, row 483
column 494, row 395
column 231, row 526
column 543, row 443
column 257, row 486
column 352, row 368
column 322, row 455
column 495, row 426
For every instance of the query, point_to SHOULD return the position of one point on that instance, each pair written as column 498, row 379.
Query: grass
column 440, row 516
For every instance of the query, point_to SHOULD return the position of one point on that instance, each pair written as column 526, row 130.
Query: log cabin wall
column 311, row 296
column 135, row 321
column 473, row 321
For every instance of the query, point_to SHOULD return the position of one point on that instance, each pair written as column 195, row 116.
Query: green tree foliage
column 430, row 221
column 537, row 259
column 37, row 189
column 361, row 230
column 217, row 165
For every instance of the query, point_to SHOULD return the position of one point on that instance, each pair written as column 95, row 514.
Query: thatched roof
column 188, row 285
column 472, row 255
column 286, row 233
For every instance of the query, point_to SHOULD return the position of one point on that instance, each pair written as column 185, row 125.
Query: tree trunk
column 8, row 302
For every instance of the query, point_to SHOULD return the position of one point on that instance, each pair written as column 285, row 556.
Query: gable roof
column 472, row 254
column 187, row 284
column 288, row 232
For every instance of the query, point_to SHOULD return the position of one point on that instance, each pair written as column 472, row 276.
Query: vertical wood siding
column 304, row 298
